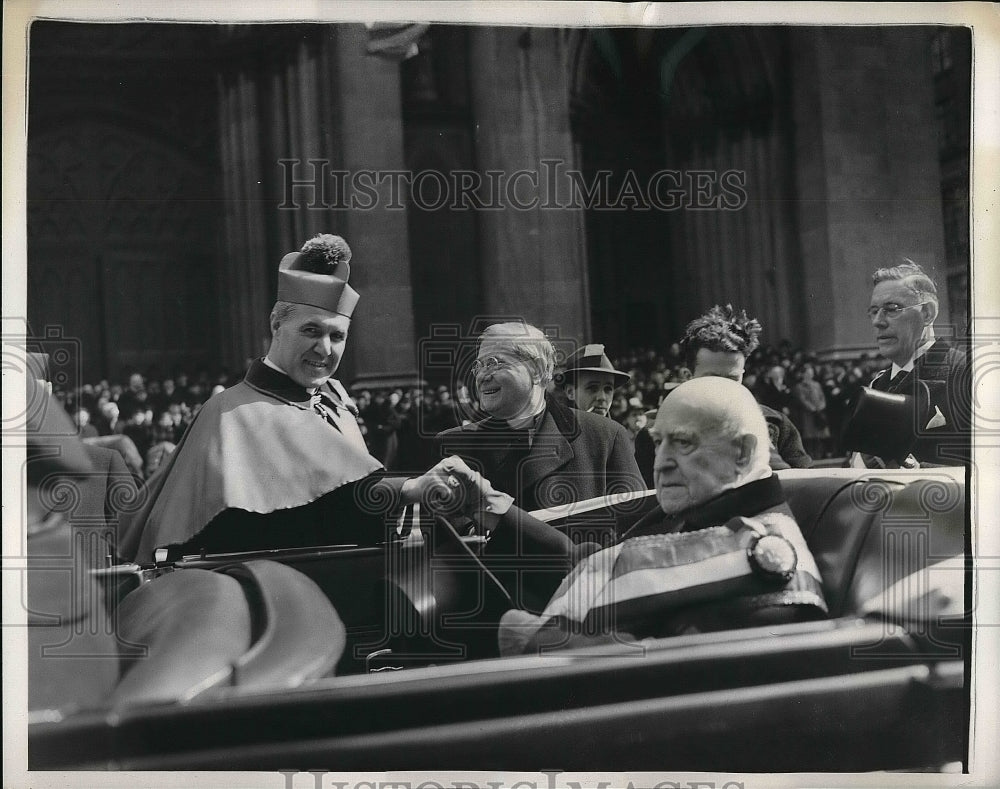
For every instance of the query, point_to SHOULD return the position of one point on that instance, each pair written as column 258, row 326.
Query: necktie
column 896, row 380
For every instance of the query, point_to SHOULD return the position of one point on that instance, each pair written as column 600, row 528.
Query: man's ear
column 746, row 447
column 930, row 310
column 570, row 391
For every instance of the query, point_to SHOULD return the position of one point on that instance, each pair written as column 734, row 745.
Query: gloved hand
column 482, row 503
column 437, row 488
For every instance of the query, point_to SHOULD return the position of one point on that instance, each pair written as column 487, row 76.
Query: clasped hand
column 452, row 487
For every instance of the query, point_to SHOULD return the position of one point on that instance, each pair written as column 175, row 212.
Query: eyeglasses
column 488, row 364
column 892, row 310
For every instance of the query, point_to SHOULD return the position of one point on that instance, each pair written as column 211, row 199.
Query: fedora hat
column 317, row 275
column 592, row 359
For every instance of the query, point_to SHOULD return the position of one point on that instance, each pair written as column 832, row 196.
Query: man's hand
column 437, row 487
column 452, row 486
column 482, row 500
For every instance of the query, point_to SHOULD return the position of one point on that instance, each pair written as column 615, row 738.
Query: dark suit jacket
column 943, row 430
column 786, row 441
column 574, row 456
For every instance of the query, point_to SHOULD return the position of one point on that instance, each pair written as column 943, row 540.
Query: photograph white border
column 985, row 308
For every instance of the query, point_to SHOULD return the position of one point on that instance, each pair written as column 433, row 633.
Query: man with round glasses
column 904, row 306
column 530, row 445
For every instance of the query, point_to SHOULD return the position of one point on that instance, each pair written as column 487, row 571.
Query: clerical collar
column 273, row 366
column 267, row 377
column 921, row 350
column 528, row 421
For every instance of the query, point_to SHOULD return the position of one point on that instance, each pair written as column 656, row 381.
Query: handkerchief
column 937, row 420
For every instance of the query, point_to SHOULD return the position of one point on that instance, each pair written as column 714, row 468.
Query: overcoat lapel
column 488, row 448
column 551, row 450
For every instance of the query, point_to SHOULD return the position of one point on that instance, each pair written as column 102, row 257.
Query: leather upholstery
column 193, row 624
column 258, row 624
column 867, row 532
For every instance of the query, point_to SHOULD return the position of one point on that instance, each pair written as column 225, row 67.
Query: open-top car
column 348, row 658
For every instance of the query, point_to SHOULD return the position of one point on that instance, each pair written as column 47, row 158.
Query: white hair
column 528, row 343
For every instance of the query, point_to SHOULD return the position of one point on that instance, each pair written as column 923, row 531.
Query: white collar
column 527, row 420
column 921, row 350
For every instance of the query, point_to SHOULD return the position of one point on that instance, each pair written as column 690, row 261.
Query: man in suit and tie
column 541, row 452
column 904, row 306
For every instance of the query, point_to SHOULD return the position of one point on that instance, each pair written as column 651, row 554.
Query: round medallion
column 773, row 557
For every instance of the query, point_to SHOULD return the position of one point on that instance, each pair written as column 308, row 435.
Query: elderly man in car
column 722, row 550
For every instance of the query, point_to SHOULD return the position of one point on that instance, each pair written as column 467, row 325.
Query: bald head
column 710, row 436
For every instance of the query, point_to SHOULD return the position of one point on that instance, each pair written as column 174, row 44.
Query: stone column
column 867, row 171
column 532, row 260
column 369, row 129
column 243, row 287
column 302, row 107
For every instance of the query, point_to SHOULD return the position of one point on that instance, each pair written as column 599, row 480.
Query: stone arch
column 117, row 215
column 690, row 101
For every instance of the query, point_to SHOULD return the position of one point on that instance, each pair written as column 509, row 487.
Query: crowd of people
column 149, row 413
column 815, row 395
column 398, row 422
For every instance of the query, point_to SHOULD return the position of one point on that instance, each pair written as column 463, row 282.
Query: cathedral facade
column 606, row 184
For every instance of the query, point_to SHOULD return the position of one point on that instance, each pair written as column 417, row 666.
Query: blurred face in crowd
column 899, row 335
column 165, row 427
column 308, row 344
column 592, row 392
column 699, row 452
column 723, row 364
column 635, row 420
column 505, row 382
